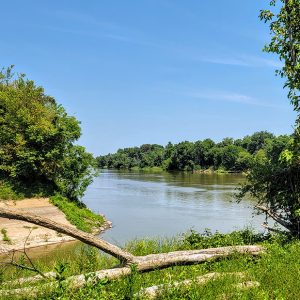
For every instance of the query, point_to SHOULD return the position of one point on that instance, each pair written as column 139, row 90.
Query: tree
column 202, row 153
column 182, row 157
column 257, row 141
column 36, row 140
column 285, row 42
column 275, row 180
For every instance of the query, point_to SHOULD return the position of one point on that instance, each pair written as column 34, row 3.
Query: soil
column 22, row 234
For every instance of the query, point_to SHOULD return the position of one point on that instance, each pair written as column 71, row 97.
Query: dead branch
column 163, row 260
column 84, row 237
column 143, row 263
column 146, row 264
column 32, row 267
column 156, row 290
column 265, row 225
column 31, row 279
column 274, row 216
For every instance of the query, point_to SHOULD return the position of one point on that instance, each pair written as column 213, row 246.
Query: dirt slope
column 18, row 231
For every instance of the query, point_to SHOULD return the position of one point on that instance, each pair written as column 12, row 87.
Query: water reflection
column 142, row 204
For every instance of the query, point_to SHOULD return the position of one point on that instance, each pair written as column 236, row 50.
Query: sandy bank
column 22, row 233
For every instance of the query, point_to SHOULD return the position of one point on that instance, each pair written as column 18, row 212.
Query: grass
column 5, row 236
column 277, row 271
column 7, row 192
column 77, row 214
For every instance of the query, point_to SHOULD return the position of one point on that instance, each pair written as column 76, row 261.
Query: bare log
column 31, row 279
column 143, row 263
column 84, row 237
column 156, row 290
column 163, row 260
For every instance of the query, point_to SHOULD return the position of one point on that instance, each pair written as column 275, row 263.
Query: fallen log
column 163, row 260
column 143, row 263
column 155, row 291
column 84, row 237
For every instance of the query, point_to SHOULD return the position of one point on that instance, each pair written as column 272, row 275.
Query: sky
column 150, row 71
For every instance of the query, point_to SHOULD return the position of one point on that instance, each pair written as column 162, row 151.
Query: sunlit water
column 144, row 204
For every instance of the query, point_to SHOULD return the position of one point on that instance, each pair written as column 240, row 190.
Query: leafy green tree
column 274, row 147
column 226, row 142
column 182, row 157
column 244, row 160
column 275, row 181
column 36, row 140
column 202, row 155
column 229, row 156
column 285, row 42
column 257, row 141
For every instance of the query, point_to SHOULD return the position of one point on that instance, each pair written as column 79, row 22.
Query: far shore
column 22, row 235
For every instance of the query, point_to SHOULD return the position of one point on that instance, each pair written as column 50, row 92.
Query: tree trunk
column 84, row 237
column 143, row 263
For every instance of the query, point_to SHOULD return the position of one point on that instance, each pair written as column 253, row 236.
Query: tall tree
column 37, row 150
column 276, row 182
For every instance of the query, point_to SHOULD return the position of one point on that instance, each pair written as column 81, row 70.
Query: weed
column 5, row 236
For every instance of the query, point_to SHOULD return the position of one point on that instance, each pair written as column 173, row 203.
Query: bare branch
column 275, row 217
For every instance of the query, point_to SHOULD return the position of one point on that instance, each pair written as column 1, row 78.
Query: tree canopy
column 37, row 136
column 274, row 179
column 229, row 154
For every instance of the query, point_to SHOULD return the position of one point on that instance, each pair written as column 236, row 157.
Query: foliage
column 8, row 193
column 285, row 42
column 230, row 155
column 37, row 154
column 207, row 239
column 266, row 269
column 274, row 176
column 77, row 214
column 5, row 236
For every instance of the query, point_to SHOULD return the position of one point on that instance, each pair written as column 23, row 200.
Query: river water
column 142, row 204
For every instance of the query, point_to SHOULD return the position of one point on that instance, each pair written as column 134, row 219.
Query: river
column 142, row 204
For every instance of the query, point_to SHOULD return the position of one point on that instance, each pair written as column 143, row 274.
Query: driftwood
column 155, row 291
column 142, row 263
column 84, row 237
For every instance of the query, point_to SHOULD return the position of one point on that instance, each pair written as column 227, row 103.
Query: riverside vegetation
column 280, row 259
column 38, row 157
column 228, row 155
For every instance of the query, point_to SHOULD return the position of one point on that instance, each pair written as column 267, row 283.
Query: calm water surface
column 144, row 204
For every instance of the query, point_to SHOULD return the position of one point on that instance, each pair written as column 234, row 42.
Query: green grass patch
column 77, row 214
column 276, row 271
column 8, row 193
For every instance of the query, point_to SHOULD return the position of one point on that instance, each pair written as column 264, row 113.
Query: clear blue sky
column 150, row 71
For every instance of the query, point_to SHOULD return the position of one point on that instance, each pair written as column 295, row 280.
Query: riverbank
column 210, row 170
column 238, row 276
column 15, row 235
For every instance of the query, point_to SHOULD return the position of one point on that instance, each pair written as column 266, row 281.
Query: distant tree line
column 230, row 154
